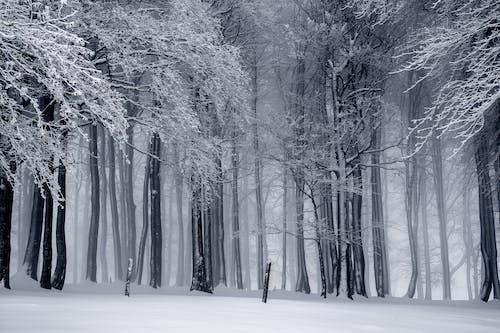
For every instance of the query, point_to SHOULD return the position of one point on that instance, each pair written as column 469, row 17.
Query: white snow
column 104, row 309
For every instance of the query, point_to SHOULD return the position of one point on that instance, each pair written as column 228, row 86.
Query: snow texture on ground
column 97, row 309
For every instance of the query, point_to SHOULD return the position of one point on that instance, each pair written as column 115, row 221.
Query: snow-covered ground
column 105, row 309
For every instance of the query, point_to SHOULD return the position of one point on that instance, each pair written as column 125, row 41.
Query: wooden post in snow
column 266, row 283
column 129, row 275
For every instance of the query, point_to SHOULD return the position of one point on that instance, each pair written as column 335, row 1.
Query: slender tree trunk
column 284, row 231
column 45, row 278
column 467, row 237
column 94, row 219
column 60, row 270
column 35, row 235
column 6, row 203
column 104, row 208
column 357, row 238
column 425, row 231
column 321, row 260
column 487, row 223
column 437, row 162
column 378, row 223
column 180, row 239
column 246, row 234
column 129, row 198
column 114, row 211
column 123, row 212
column 156, row 235
column 236, row 217
column 199, row 281
column 145, row 220
column 257, row 176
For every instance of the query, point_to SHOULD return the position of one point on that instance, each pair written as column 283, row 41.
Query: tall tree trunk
column 60, row 270
column 94, row 219
column 35, row 234
column 207, row 235
column 45, row 278
column 145, row 220
column 284, row 228
column 129, row 199
column 245, row 233
column 6, row 203
column 257, row 176
column 321, row 260
column 199, row 281
column 467, row 237
column 114, row 211
column 425, row 231
column 487, row 223
column 378, row 224
column 357, row 238
column 179, row 280
column 123, row 211
column 156, row 235
column 437, row 163
column 104, row 207
column 235, row 213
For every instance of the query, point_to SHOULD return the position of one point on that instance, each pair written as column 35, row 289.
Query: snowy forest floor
column 103, row 308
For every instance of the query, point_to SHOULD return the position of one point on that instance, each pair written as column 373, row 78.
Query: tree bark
column 180, row 225
column 437, row 163
column 378, row 223
column 199, row 281
column 156, row 235
column 35, row 234
column 60, row 270
column 487, row 223
column 104, row 208
column 6, row 203
column 94, row 219
column 235, row 213
column 145, row 219
column 114, row 211
column 45, row 278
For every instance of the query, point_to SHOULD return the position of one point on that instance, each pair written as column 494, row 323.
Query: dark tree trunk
column 284, row 231
column 179, row 280
column 207, row 236
column 156, row 234
column 378, row 225
column 94, row 219
column 45, row 278
column 487, row 223
column 199, row 280
column 60, row 270
column 302, row 283
column 145, row 219
column 257, row 176
column 129, row 199
column 236, row 217
column 318, row 226
column 6, row 202
column 35, row 234
column 356, row 234
column 114, row 211
column 104, row 208
column 437, row 162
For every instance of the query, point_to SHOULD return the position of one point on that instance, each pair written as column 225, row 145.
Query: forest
column 186, row 144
